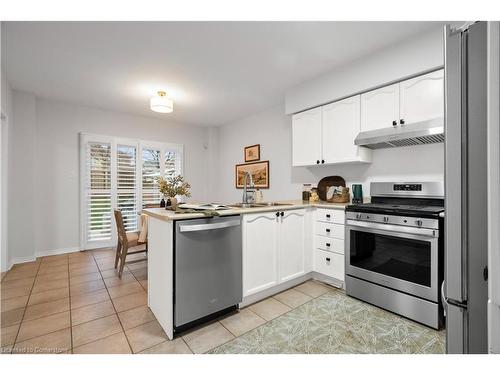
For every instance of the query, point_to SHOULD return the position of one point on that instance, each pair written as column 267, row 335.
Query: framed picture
column 259, row 171
column 252, row 153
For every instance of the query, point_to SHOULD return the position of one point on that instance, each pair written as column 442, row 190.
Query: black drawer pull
column 327, row 245
column 277, row 214
column 282, row 213
column 327, row 216
column 327, row 259
column 328, row 231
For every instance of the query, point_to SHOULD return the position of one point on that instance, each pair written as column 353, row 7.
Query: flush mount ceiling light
column 161, row 103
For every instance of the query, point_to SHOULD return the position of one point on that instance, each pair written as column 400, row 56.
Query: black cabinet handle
column 327, row 245
column 327, row 259
column 328, row 231
column 322, row 162
column 282, row 213
column 317, row 161
column 402, row 122
column 327, row 216
column 277, row 214
column 394, row 123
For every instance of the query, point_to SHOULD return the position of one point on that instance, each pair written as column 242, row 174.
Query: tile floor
column 75, row 303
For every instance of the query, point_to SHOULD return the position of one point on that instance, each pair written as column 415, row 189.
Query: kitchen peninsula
column 282, row 245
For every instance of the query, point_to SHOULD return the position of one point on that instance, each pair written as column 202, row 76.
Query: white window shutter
column 98, row 192
column 126, row 184
column 150, row 171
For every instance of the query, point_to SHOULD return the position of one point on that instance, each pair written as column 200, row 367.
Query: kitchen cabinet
column 260, row 256
column 341, row 124
column 329, row 243
column 273, row 249
column 414, row 100
column 306, row 140
column 422, row 98
column 335, row 126
column 380, row 108
column 291, row 245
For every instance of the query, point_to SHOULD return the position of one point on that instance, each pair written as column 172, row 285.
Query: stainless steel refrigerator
column 465, row 289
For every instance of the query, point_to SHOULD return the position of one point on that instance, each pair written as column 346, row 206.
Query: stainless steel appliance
column 395, row 249
column 208, row 269
column 466, row 225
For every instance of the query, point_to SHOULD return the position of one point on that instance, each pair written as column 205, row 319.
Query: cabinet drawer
column 330, row 216
column 330, row 244
column 330, row 230
column 329, row 264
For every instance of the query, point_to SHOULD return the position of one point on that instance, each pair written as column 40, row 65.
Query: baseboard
column 20, row 260
column 64, row 250
column 248, row 300
column 328, row 280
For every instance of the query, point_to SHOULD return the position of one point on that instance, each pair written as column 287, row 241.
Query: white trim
column 64, row 250
column 20, row 260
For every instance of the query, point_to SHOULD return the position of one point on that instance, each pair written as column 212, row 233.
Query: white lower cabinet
column 291, row 245
column 273, row 249
column 329, row 243
column 329, row 264
column 278, row 247
column 260, row 256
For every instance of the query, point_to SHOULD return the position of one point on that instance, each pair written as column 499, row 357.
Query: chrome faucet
column 248, row 196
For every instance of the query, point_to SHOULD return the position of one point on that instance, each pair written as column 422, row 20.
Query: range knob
column 358, row 216
column 418, row 222
column 386, row 219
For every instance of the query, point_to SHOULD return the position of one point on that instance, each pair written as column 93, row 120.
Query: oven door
column 398, row 257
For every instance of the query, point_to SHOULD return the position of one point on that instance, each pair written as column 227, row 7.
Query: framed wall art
column 252, row 153
column 259, row 171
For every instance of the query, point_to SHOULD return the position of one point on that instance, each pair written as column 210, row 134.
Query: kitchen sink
column 263, row 204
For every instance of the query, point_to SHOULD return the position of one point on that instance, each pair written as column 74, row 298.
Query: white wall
column 420, row 54
column 272, row 129
column 45, row 182
column 7, row 111
column 21, row 180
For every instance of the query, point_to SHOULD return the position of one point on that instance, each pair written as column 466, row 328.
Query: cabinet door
column 379, row 108
column 306, row 137
column 422, row 98
column 260, row 254
column 341, row 125
column 291, row 245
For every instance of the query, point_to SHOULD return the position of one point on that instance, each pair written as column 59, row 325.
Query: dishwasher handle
column 200, row 227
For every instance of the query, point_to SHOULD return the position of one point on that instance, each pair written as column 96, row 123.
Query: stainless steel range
column 395, row 249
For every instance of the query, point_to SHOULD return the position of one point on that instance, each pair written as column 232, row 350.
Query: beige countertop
column 167, row 215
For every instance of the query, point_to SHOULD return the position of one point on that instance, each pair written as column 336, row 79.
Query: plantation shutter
column 118, row 173
column 98, row 192
column 150, row 171
column 126, row 184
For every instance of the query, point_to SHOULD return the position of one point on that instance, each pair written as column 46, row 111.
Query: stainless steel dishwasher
column 208, row 269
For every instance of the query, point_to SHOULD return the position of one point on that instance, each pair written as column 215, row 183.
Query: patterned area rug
column 336, row 323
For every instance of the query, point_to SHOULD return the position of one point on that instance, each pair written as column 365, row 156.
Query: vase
column 171, row 203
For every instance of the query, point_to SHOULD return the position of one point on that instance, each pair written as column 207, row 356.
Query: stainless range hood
column 418, row 133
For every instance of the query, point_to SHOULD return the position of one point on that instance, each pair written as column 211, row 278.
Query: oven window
column 402, row 258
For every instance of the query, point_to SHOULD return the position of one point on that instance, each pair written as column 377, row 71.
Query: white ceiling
column 216, row 72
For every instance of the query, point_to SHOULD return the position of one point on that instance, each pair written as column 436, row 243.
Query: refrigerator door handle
column 454, row 68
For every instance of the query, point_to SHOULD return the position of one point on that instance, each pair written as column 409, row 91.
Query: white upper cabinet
column 335, row 126
column 306, row 144
column 380, row 108
column 291, row 245
column 422, row 98
column 341, row 125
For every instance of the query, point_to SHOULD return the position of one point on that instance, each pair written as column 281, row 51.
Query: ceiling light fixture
column 161, row 103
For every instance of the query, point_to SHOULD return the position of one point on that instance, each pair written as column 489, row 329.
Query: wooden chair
column 125, row 241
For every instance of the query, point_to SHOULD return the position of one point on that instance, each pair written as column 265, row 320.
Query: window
column 120, row 173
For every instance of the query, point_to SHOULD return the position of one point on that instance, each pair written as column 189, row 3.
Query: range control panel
column 407, row 187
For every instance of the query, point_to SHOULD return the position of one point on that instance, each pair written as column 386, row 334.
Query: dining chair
column 125, row 242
